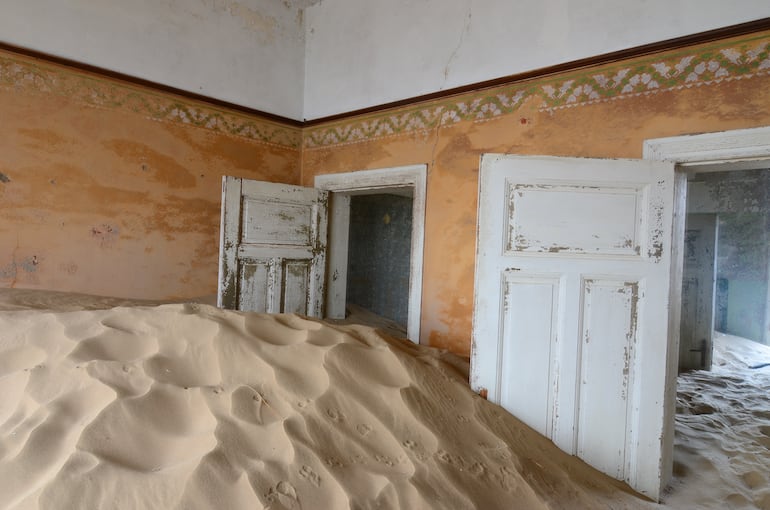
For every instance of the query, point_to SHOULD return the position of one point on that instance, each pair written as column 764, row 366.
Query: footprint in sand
column 334, row 462
column 284, row 495
column 477, row 469
column 311, row 476
column 505, row 478
column 453, row 460
column 384, row 459
column 335, row 414
column 416, row 449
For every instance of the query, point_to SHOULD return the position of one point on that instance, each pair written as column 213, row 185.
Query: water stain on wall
column 264, row 25
column 178, row 216
column 158, row 166
column 96, row 189
column 45, row 140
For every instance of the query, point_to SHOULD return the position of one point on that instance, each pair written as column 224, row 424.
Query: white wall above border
column 362, row 53
column 307, row 59
column 247, row 52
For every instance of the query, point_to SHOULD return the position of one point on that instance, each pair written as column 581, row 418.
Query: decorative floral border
column 20, row 73
column 701, row 65
column 697, row 66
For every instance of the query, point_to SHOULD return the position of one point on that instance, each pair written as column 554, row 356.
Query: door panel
column 698, row 281
column 571, row 304
column 525, row 384
column 611, row 213
column 272, row 247
column 608, row 312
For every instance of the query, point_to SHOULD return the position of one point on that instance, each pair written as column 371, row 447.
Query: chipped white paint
column 339, row 235
column 571, row 336
column 384, row 180
column 615, row 234
column 607, row 354
column 740, row 149
column 272, row 247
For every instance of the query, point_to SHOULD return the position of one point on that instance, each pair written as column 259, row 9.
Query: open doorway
column 725, row 286
column 719, row 399
column 379, row 249
column 376, row 237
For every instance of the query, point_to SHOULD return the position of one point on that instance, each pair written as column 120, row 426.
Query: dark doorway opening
column 379, row 254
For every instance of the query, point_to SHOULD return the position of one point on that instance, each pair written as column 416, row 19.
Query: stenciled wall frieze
column 708, row 64
column 19, row 73
column 701, row 65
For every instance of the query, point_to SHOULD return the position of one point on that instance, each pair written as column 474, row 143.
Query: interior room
column 524, row 191
column 379, row 249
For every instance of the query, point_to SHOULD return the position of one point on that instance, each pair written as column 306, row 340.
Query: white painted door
column 697, row 325
column 272, row 247
column 571, row 304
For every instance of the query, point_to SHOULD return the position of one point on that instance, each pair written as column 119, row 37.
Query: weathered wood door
column 272, row 247
column 697, row 325
column 571, row 305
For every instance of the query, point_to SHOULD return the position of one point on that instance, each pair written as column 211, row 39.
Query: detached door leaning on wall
column 272, row 247
column 571, row 305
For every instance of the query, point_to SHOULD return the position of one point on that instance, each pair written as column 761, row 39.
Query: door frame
column 341, row 187
column 740, row 149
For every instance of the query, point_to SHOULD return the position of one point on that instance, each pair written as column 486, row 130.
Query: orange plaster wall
column 609, row 129
column 121, row 198
column 114, row 190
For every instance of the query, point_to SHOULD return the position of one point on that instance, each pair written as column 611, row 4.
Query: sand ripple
column 190, row 407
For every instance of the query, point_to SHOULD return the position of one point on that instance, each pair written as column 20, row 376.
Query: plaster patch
column 11, row 270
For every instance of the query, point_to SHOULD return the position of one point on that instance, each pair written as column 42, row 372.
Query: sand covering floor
column 722, row 442
column 185, row 406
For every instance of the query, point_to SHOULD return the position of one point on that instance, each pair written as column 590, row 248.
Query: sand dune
column 185, row 406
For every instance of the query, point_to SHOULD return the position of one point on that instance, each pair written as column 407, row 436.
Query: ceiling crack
column 453, row 55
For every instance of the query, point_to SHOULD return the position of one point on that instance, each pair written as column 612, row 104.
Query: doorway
column 726, row 261
column 379, row 246
column 729, row 151
column 376, row 238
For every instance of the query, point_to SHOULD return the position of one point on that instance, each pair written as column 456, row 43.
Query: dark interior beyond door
column 379, row 254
